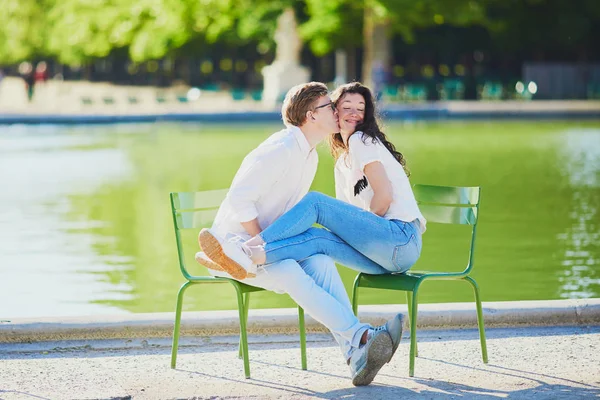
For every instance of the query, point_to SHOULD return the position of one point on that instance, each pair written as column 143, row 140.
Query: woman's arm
column 340, row 186
column 382, row 188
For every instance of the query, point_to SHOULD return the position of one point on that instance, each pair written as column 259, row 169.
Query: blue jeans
column 354, row 237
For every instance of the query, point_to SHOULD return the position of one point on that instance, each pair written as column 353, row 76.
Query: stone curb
column 440, row 110
column 265, row 321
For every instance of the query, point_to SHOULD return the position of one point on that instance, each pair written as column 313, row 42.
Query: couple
column 263, row 233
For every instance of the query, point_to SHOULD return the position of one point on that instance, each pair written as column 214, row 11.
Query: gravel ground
column 525, row 363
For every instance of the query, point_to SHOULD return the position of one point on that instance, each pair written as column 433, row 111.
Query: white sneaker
column 202, row 259
column 367, row 360
column 228, row 254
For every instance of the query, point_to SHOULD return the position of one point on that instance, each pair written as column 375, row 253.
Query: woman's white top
column 352, row 186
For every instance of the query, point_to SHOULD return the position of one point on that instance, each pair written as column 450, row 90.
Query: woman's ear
column 310, row 116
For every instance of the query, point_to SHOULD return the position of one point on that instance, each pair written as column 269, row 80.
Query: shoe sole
column 212, row 248
column 208, row 264
column 378, row 354
column 395, row 347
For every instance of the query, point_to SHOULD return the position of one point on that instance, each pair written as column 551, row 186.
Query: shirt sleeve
column 363, row 151
column 257, row 177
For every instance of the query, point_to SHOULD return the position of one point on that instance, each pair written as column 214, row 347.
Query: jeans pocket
column 406, row 255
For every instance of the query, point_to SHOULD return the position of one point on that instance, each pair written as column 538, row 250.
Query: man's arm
column 255, row 181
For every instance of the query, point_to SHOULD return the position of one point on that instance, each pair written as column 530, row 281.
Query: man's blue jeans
column 354, row 237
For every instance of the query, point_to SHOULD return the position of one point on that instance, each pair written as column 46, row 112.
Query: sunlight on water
column 85, row 226
column 40, row 259
column 580, row 278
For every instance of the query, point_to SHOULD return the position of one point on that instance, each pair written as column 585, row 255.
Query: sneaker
column 229, row 254
column 394, row 329
column 367, row 360
column 203, row 260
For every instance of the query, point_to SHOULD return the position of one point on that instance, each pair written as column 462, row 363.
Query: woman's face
column 351, row 112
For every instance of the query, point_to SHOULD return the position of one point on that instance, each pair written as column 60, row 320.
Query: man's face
column 326, row 116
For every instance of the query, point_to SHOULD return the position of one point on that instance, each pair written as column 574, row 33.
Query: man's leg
column 323, row 271
column 328, row 303
column 316, row 286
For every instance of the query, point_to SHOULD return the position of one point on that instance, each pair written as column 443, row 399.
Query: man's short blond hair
column 299, row 100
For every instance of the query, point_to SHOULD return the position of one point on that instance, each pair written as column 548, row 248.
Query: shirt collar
column 301, row 139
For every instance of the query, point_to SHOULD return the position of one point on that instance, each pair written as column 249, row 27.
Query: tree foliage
column 23, row 29
column 77, row 30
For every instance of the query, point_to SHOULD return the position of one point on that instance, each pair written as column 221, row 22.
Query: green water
column 85, row 224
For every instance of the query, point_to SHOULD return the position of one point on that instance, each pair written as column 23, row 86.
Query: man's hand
column 252, row 227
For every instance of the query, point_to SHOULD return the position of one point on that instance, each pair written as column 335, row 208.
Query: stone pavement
column 524, row 363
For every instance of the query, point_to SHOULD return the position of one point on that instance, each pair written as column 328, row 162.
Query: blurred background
column 85, row 224
column 107, row 52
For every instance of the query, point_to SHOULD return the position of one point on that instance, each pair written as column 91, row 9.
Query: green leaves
column 75, row 31
column 23, row 29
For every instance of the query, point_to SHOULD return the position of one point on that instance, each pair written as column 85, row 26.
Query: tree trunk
column 377, row 50
column 341, row 67
column 351, row 65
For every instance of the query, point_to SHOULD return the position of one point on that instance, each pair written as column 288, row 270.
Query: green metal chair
column 193, row 211
column 439, row 204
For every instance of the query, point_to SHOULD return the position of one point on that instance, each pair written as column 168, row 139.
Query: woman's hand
column 383, row 194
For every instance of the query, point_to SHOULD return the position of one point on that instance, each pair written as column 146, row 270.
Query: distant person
column 27, row 73
column 30, row 85
column 41, row 72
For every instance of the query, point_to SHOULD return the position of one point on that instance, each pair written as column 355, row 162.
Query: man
column 270, row 181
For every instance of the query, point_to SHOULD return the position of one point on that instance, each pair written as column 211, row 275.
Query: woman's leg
column 377, row 238
column 321, row 241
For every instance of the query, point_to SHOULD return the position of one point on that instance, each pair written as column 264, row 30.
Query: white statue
column 287, row 39
column 286, row 71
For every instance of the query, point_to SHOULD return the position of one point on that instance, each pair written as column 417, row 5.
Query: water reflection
column 40, row 258
column 85, row 226
column 581, row 159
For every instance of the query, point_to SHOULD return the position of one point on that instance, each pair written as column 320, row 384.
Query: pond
column 85, row 225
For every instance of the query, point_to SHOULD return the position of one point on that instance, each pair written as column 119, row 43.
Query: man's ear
column 310, row 116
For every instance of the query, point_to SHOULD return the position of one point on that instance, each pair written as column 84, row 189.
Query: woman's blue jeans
column 353, row 237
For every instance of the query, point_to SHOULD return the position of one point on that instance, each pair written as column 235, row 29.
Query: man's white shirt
column 271, row 180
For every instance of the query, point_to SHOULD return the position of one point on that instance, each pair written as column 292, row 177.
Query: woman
column 373, row 226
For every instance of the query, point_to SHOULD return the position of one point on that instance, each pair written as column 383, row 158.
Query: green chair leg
column 246, row 309
column 409, row 308
column 243, row 334
column 178, row 308
column 355, row 294
column 302, row 337
column 479, row 318
column 413, row 332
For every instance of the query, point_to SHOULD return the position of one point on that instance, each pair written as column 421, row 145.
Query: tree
column 75, row 31
column 84, row 29
column 384, row 17
column 23, row 29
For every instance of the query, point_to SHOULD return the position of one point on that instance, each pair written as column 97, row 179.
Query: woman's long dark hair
column 369, row 126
